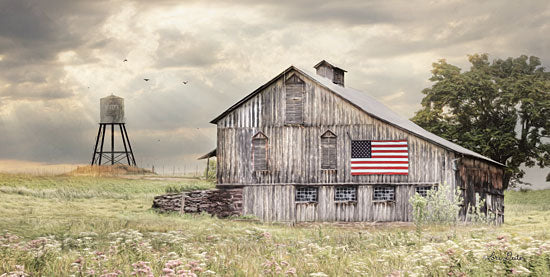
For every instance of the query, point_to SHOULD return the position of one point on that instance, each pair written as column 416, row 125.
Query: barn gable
column 291, row 141
column 295, row 153
column 357, row 99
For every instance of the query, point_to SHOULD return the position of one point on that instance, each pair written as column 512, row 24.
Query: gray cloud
column 32, row 35
column 52, row 51
column 178, row 49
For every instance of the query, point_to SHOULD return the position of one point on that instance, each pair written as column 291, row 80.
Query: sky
column 59, row 57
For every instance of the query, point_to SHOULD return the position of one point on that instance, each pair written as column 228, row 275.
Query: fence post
column 182, row 208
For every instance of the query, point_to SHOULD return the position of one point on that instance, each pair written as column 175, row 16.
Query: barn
column 304, row 147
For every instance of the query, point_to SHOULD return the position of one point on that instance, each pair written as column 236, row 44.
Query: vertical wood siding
column 294, row 152
column 294, row 157
column 277, row 203
column 475, row 176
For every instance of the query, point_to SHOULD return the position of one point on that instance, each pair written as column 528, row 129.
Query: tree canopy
column 500, row 109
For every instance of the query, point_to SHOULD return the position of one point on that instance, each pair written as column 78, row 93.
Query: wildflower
column 142, row 268
column 167, row 270
column 186, row 273
column 172, row 255
column 173, row 263
column 267, row 263
column 111, row 274
column 291, row 271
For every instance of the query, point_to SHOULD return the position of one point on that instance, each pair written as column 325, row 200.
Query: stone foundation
column 219, row 202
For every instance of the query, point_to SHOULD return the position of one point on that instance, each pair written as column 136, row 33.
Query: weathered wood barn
column 303, row 147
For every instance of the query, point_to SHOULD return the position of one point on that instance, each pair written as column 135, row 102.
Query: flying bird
column 146, row 80
column 185, row 82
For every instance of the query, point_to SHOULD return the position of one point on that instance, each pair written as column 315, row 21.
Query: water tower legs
column 112, row 157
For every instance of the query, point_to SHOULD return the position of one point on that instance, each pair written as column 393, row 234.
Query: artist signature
column 503, row 257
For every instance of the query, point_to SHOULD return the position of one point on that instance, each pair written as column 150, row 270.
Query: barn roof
column 331, row 65
column 208, row 155
column 370, row 106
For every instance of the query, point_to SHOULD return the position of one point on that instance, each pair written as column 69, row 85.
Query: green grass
column 58, row 226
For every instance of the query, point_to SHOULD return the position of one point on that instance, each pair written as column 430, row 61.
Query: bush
column 477, row 215
column 440, row 206
column 211, row 170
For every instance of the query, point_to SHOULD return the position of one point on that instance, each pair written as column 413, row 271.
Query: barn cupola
column 334, row 73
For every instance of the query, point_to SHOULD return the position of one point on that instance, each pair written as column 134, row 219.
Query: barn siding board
column 294, row 157
column 276, row 203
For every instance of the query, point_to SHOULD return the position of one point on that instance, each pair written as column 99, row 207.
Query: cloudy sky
column 58, row 57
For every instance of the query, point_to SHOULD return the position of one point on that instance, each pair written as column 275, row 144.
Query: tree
column 500, row 109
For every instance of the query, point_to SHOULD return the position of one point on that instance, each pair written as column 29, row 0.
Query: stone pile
column 168, row 202
column 219, row 202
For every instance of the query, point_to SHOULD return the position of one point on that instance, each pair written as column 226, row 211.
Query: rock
column 219, row 202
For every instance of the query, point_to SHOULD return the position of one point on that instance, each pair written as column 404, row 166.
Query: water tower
column 111, row 115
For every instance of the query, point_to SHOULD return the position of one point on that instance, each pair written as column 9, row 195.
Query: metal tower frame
column 114, row 157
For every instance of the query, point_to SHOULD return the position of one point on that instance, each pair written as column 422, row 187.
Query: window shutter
column 328, row 150
column 259, row 151
column 294, row 100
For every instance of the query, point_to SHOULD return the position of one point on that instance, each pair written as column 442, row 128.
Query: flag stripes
column 379, row 157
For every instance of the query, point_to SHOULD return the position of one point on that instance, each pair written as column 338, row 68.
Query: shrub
column 475, row 214
column 211, row 170
column 440, row 206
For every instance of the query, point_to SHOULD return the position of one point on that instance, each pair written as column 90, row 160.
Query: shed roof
column 370, row 106
column 331, row 65
column 208, row 155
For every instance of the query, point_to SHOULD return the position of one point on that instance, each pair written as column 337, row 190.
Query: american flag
column 379, row 157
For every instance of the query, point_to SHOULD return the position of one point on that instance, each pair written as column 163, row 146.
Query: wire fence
column 195, row 170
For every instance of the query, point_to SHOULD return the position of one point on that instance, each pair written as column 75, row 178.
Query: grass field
column 84, row 226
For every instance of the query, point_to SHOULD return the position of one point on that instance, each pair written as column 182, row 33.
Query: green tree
column 500, row 109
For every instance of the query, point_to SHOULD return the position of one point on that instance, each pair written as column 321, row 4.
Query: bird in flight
column 146, row 80
column 125, row 60
column 185, row 82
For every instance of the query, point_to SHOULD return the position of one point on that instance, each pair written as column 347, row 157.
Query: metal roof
column 331, row 65
column 208, row 155
column 370, row 106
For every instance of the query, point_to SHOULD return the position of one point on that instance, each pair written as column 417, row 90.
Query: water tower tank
column 111, row 109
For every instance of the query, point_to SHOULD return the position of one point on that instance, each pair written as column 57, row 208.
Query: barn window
column 384, row 193
column 347, row 193
column 328, row 150
column 295, row 88
column 423, row 190
column 306, row 194
column 259, row 152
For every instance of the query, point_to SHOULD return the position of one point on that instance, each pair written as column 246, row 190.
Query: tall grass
column 83, row 228
column 78, row 187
